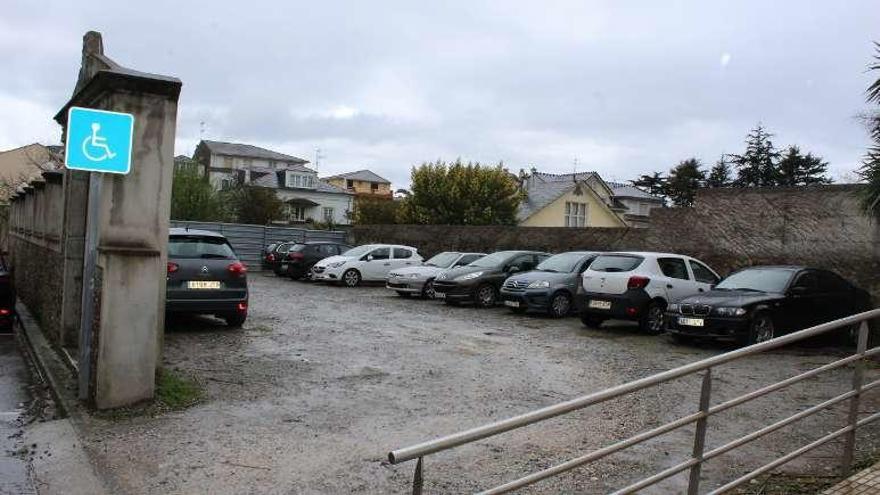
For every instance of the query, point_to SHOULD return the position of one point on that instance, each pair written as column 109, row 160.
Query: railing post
column 700, row 433
column 852, row 419
column 417, row 478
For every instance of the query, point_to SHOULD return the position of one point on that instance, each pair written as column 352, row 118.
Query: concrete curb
column 70, row 470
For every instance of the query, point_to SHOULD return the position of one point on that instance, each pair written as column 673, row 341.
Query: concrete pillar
column 133, row 230
column 76, row 187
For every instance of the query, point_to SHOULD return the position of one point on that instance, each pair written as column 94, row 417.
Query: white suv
column 638, row 286
column 370, row 262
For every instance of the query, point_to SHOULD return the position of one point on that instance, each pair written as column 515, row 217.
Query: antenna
column 201, row 129
column 318, row 157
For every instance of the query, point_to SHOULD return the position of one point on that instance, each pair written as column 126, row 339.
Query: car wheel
column 403, row 294
column 761, row 328
column 652, row 321
column 485, row 296
column 351, row 278
column 591, row 321
column 560, row 305
column 428, row 290
column 235, row 320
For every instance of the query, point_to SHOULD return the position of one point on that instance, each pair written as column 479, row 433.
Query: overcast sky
column 624, row 88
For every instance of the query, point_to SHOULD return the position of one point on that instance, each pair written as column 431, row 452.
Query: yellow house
column 362, row 183
column 576, row 200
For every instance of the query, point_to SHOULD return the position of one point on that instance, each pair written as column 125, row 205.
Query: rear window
column 199, row 247
column 616, row 263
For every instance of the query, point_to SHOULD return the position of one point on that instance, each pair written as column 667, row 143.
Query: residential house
column 305, row 196
column 581, row 200
column 20, row 166
column 363, row 183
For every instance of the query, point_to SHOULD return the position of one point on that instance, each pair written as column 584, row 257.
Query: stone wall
column 727, row 228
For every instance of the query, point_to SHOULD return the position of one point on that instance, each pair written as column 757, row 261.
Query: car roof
column 793, row 268
column 196, row 232
column 583, row 253
column 647, row 254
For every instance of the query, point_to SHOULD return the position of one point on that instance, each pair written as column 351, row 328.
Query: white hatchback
column 370, row 263
column 638, row 286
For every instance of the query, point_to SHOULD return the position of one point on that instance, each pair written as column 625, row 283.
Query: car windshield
column 199, row 247
column 764, row 280
column 359, row 251
column 494, row 260
column 561, row 263
column 616, row 263
column 443, row 260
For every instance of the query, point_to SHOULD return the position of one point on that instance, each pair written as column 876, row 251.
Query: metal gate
column 248, row 241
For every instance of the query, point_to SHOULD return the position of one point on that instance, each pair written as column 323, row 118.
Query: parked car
column 274, row 258
column 265, row 259
column 550, row 287
column 638, row 286
column 299, row 258
column 205, row 276
column 759, row 303
column 420, row 279
column 480, row 281
column 370, row 263
column 7, row 296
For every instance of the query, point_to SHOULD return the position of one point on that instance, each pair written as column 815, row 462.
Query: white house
column 305, row 196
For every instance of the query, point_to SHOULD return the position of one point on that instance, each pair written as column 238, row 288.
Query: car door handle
column 387, row 264
column 668, row 286
column 701, row 290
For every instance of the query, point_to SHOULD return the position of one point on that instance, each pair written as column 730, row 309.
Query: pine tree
column 684, row 180
column 719, row 175
column 653, row 184
column 795, row 169
column 757, row 166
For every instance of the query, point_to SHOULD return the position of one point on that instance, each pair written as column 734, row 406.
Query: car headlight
column 336, row 264
column 469, row 276
column 540, row 284
column 673, row 308
column 725, row 311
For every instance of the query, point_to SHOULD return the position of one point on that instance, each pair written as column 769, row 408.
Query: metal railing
column 699, row 454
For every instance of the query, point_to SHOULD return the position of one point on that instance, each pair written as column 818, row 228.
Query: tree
column 653, row 184
column 254, row 204
column 459, row 194
column 683, row 182
column 373, row 211
column 719, row 175
column 193, row 197
column 757, row 166
column 795, row 169
column 870, row 170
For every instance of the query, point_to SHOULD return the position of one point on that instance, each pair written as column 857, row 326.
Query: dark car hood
column 464, row 270
column 733, row 298
column 537, row 275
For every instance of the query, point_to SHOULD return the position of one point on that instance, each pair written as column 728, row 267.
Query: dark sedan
column 205, row 276
column 301, row 257
column 480, row 281
column 759, row 303
column 550, row 287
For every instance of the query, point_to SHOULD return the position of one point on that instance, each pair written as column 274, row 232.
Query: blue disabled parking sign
column 98, row 140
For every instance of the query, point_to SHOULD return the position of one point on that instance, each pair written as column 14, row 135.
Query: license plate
column 439, row 295
column 691, row 322
column 512, row 304
column 597, row 304
column 284, row 266
column 203, row 284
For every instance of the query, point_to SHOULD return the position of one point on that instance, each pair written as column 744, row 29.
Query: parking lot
column 323, row 381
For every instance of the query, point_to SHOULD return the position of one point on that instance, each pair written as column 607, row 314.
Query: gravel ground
column 323, row 381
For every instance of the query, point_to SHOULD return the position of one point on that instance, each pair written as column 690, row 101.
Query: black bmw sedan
column 759, row 303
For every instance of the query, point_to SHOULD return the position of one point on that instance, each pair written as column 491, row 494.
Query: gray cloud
column 625, row 89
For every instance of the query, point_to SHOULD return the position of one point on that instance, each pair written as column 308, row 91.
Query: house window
column 273, row 165
column 226, row 184
column 575, row 214
column 374, row 187
column 349, row 184
column 227, row 161
column 328, row 214
column 296, row 213
column 304, row 181
column 644, row 209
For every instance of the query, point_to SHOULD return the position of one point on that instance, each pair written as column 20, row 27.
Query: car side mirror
column 369, row 257
column 512, row 269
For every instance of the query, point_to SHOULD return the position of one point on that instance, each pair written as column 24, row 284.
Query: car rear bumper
column 713, row 327
column 205, row 305
column 631, row 305
column 526, row 298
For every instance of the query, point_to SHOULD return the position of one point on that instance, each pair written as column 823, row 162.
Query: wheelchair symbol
column 100, row 151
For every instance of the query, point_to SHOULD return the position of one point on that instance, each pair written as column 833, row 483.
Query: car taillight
column 271, row 257
column 173, row 267
column 295, row 255
column 242, row 307
column 636, row 282
column 237, row 269
column 5, row 311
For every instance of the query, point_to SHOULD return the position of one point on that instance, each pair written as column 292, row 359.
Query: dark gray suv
column 550, row 287
column 205, row 276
